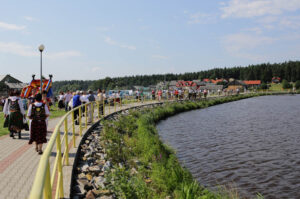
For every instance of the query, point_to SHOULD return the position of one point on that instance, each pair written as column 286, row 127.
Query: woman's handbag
column 25, row 125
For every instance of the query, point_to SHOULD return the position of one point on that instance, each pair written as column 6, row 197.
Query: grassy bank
column 3, row 131
column 148, row 168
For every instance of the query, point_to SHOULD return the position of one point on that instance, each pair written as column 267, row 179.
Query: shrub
column 297, row 85
column 264, row 86
column 286, row 84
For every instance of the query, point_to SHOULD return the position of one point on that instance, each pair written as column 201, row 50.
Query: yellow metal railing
column 49, row 184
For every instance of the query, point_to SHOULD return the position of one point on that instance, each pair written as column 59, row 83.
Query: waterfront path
column 19, row 160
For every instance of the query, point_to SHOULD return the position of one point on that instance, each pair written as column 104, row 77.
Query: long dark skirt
column 15, row 121
column 61, row 104
column 38, row 132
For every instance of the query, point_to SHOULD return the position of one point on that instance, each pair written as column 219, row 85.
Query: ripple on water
column 252, row 144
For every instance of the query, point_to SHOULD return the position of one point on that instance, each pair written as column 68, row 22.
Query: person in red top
column 153, row 95
column 176, row 94
column 159, row 94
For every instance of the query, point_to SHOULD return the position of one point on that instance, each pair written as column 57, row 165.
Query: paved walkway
column 19, row 161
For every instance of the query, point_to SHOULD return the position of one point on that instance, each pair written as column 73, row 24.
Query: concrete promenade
column 19, row 160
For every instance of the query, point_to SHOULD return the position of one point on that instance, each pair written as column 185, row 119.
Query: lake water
column 252, row 144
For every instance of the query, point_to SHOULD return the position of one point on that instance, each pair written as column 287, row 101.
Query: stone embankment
column 92, row 163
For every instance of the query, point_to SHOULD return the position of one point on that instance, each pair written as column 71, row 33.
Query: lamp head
column 41, row 48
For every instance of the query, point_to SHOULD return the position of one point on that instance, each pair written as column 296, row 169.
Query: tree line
column 289, row 71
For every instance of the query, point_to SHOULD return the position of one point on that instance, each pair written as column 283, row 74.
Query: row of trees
column 289, row 71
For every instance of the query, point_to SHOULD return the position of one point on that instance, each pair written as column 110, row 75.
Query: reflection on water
column 252, row 143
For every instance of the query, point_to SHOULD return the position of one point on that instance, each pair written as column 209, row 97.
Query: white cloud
column 28, row 18
column 241, row 45
column 28, row 51
column 17, row 49
column 255, row 8
column 7, row 26
column 109, row 41
column 160, row 57
column 290, row 22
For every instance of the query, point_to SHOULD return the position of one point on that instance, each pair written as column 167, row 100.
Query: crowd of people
column 38, row 107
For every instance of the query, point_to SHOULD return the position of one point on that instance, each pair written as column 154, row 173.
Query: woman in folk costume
column 38, row 112
column 61, row 98
column 14, row 114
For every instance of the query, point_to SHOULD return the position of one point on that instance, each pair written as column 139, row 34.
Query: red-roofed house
column 217, row 81
column 182, row 84
column 276, row 80
column 253, row 83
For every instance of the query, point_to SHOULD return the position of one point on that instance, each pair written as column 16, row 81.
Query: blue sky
column 95, row 38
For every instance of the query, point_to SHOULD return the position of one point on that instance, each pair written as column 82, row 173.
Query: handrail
column 43, row 184
column 44, row 181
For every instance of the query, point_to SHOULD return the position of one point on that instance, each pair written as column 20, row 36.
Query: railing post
column 92, row 112
column 80, row 126
column 98, row 108
column 59, row 166
column 66, row 153
column 47, row 187
column 108, row 107
column 103, row 101
column 86, row 115
column 115, row 108
column 73, row 128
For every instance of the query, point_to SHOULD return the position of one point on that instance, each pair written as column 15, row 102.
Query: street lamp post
column 41, row 48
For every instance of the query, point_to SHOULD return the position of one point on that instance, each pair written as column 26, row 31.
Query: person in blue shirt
column 76, row 102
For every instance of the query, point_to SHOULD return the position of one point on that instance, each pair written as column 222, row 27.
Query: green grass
column 55, row 112
column 275, row 87
column 134, row 141
column 3, row 131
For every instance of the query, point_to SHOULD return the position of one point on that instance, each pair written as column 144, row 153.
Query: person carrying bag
column 14, row 114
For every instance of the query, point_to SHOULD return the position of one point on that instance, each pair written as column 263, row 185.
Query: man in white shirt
column 68, row 96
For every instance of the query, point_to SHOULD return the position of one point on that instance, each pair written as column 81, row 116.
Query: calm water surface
column 253, row 144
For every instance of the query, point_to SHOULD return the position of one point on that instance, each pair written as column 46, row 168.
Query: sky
column 93, row 39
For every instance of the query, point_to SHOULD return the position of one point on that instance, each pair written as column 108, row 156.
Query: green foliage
column 286, row 84
column 3, row 131
column 264, row 72
column 264, row 86
column 297, row 84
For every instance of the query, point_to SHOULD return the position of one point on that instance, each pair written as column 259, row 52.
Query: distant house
column 236, row 84
column 172, row 85
column 199, row 83
column 8, row 83
column 152, row 87
column 211, row 87
column 138, row 88
column 253, row 83
column 276, row 80
column 216, row 81
column 206, row 80
column 186, row 85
